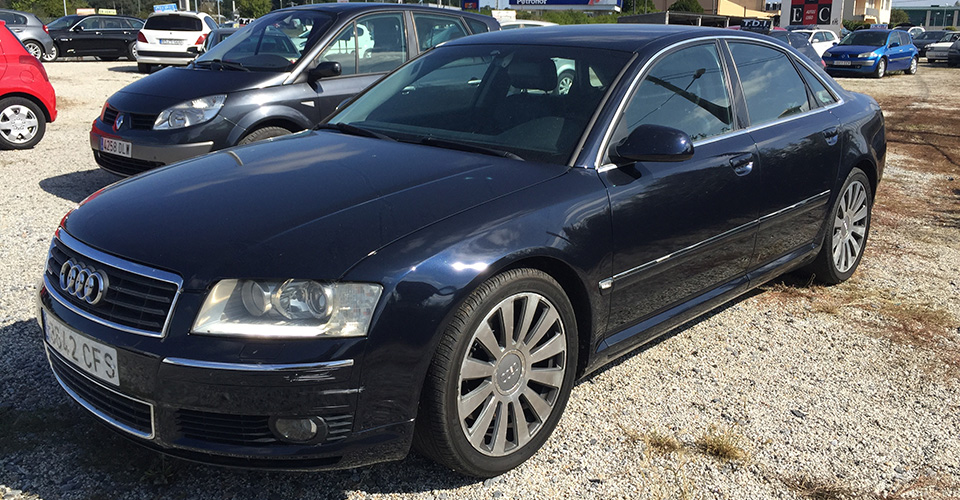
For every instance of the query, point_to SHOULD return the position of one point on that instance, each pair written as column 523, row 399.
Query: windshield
column 532, row 102
column 948, row 38
column 63, row 23
column 930, row 35
column 868, row 38
column 274, row 42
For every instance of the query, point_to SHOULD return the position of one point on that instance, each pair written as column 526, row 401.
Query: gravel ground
column 790, row 392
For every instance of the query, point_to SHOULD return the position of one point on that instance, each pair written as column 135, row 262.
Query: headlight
column 190, row 113
column 866, row 55
column 291, row 309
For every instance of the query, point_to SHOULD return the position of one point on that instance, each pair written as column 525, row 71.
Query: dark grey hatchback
column 441, row 260
column 283, row 73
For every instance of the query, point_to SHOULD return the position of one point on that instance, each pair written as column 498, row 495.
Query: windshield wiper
column 354, row 130
column 222, row 64
column 470, row 148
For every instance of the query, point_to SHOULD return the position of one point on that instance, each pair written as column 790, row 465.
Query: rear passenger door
column 799, row 146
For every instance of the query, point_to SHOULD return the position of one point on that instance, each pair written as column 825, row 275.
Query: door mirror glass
column 325, row 69
column 653, row 143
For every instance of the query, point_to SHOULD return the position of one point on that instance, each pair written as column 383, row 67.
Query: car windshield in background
column 63, row 23
column 174, row 23
column 930, row 35
column 868, row 38
column 492, row 99
column 274, row 42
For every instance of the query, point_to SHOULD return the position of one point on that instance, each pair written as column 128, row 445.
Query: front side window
column 343, row 49
column 432, row 29
column 497, row 98
column 686, row 90
column 90, row 23
column 771, row 85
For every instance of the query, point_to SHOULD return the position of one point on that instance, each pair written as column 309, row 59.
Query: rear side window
column 12, row 18
column 112, row 24
column 771, row 85
column 432, row 30
column 686, row 90
column 477, row 26
column 820, row 92
column 173, row 23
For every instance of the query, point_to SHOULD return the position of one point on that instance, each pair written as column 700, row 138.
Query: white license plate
column 113, row 146
column 841, row 63
column 170, row 41
column 92, row 357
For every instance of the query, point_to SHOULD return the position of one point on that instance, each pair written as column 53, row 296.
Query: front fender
column 562, row 223
column 262, row 114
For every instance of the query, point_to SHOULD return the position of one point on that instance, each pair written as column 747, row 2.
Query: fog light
column 300, row 430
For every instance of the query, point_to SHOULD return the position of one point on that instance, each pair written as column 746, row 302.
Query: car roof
column 625, row 37
column 352, row 7
column 178, row 13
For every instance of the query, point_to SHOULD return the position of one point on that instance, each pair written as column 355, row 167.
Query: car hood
column 939, row 45
column 839, row 50
column 305, row 206
column 180, row 84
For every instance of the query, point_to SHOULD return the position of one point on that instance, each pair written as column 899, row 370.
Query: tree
column 898, row 16
column 48, row 9
column 253, row 8
column 686, row 6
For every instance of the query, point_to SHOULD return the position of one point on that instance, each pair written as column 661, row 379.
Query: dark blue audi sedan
column 439, row 262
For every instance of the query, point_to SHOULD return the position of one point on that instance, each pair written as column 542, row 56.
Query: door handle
column 742, row 164
column 831, row 135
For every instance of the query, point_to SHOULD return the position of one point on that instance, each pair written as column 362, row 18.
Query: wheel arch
column 33, row 99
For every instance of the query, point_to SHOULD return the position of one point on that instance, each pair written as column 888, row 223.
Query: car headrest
column 533, row 75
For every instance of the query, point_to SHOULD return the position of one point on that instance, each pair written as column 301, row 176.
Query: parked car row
column 27, row 100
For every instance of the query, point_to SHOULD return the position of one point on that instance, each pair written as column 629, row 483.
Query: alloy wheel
column 850, row 226
column 18, row 124
column 511, row 376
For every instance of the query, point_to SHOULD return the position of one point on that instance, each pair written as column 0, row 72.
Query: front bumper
column 163, row 148
column 856, row 67
column 937, row 56
column 218, row 408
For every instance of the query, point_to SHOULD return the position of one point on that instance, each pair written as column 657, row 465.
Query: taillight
column 141, row 38
column 201, row 39
column 45, row 29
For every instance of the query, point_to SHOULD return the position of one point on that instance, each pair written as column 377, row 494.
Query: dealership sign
column 816, row 12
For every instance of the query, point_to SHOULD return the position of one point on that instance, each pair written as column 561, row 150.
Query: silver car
column 30, row 30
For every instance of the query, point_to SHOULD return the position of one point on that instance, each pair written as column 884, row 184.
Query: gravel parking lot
column 792, row 391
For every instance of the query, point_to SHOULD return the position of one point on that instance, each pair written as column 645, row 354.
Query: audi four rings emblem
column 82, row 282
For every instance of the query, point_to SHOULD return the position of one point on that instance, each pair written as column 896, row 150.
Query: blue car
column 872, row 52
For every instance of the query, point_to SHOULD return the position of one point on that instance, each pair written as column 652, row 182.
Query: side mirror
column 653, row 143
column 78, row 28
column 325, row 69
column 894, row 44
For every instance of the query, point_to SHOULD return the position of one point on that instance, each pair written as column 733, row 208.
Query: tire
column 881, row 69
column 263, row 133
column 51, row 55
column 34, row 48
column 144, row 68
column 481, row 383
column 847, row 229
column 565, row 82
column 914, row 63
column 132, row 51
column 22, row 123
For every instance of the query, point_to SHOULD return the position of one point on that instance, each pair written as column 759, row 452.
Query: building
column 731, row 8
column 870, row 11
column 932, row 18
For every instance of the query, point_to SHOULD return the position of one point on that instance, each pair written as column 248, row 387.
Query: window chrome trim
column 608, row 135
column 248, row 367
column 607, row 283
column 92, row 409
column 130, row 267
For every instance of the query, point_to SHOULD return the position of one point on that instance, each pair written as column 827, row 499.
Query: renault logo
column 82, row 282
column 118, row 122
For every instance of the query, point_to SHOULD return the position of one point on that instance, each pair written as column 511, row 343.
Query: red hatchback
column 27, row 100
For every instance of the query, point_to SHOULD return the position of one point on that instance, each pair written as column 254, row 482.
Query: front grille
column 138, row 121
column 124, row 166
column 133, row 416
column 247, row 430
column 131, row 302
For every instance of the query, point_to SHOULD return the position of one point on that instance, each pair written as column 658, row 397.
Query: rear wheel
column 263, row 133
column 565, row 82
column 22, row 123
column 52, row 54
column 501, row 376
column 881, row 69
column 34, row 48
column 847, row 231
column 912, row 70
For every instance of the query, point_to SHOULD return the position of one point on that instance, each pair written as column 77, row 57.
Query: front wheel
column 846, row 232
column 263, row 133
column 501, row 376
column 132, row 51
column 51, row 55
column 912, row 70
column 881, row 69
